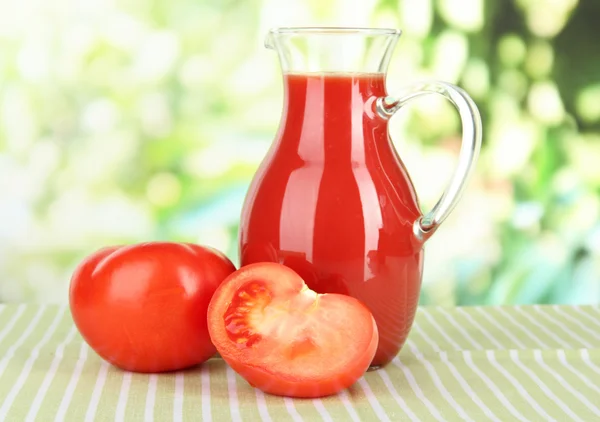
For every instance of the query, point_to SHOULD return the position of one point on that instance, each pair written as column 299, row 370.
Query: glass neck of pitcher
column 333, row 50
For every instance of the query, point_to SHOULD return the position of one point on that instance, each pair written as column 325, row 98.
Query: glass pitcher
column 332, row 199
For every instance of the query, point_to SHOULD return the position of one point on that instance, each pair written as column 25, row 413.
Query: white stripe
column 586, row 358
column 289, row 405
column 465, row 386
column 43, row 390
column 11, row 351
column 373, row 400
column 343, row 395
column 262, row 406
column 537, row 354
column 90, row 415
column 465, row 334
column 522, row 327
column 205, row 377
column 150, row 398
column 545, row 329
column 497, row 392
column 562, row 326
column 178, row 398
column 480, row 328
column 234, row 405
column 414, row 385
column 438, row 382
column 12, row 322
column 563, row 359
column 515, row 358
column 66, row 400
column 16, row 388
column 492, row 358
column 576, row 321
column 455, row 372
column 123, row 396
column 388, row 383
column 586, row 315
column 500, row 327
column 322, row 411
column 426, row 337
column 435, row 324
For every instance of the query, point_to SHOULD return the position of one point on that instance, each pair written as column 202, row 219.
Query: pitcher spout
column 270, row 40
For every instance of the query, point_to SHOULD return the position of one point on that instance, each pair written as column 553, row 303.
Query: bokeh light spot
column 163, row 189
column 588, row 103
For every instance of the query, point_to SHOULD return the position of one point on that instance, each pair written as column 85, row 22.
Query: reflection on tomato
column 285, row 339
column 143, row 307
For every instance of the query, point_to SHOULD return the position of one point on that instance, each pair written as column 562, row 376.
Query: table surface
column 528, row 363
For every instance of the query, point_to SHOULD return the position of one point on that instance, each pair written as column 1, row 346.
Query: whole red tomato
column 143, row 307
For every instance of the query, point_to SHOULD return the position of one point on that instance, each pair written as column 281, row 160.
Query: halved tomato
column 287, row 340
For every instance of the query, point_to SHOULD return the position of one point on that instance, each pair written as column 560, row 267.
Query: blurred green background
column 125, row 120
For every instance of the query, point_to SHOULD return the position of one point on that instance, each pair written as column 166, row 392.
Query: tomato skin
column 143, row 307
column 339, row 349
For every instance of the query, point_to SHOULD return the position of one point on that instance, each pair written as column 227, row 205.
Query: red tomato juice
column 333, row 201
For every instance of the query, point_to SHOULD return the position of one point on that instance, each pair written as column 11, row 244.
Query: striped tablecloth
column 528, row 363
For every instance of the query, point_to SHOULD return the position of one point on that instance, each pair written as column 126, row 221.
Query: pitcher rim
column 322, row 30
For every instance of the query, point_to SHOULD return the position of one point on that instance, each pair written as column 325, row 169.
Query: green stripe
column 163, row 408
column 491, row 323
column 110, row 394
column 277, row 409
column 429, row 324
column 362, row 403
column 306, row 409
column 37, row 371
column 428, row 398
column 585, row 314
column 501, row 390
column 387, row 402
column 136, row 399
column 450, row 380
column 525, row 406
column 29, row 335
column 531, row 322
column 58, row 387
column 581, row 326
column 219, row 394
column 479, row 327
column 335, row 409
column 452, row 385
column 429, row 358
column 18, row 328
column 192, row 390
column 7, row 313
column 566, row 386
column 509, row 321
column 246, row 398
column 84, row 387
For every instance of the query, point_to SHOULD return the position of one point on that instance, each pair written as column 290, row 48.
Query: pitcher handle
column 425, row 225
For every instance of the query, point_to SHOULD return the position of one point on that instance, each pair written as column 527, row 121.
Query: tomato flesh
column 249, row 297
column 286, row 339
